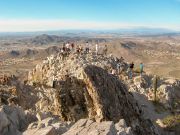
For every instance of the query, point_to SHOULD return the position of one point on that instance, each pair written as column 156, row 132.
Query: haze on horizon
column 43, row 15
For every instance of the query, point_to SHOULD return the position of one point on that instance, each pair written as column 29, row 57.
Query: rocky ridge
column 78, row 94
column 85, row 88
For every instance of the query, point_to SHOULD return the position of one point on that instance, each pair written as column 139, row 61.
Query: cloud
column 45, row 25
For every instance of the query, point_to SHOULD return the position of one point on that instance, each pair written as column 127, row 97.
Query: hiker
column 64, row 48
column 63, row 53
column 87, row 50
column 81, row 49
column 72, row 46
column 67, row 45
column 141, row 68
column 68, row 49
column 78, row 50
column 105, row 50
column 97, row 49
column 118, row 68
column 87, row 47
column 131, row 66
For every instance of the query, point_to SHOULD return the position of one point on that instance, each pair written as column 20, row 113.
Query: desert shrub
column 172, row 121
column 137, row 70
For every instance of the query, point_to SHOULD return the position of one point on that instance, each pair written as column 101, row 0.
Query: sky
column 43, row 15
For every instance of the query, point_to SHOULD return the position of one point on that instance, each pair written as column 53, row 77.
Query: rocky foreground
column 78, row 95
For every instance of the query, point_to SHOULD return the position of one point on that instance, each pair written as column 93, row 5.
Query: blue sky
column 32, row 15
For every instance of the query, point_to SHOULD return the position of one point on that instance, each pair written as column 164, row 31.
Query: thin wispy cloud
column 45, row 25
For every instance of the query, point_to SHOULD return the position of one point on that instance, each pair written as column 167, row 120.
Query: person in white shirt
column 97, row 49
column 68, row 45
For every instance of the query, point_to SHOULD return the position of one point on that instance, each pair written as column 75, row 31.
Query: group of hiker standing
column 131, row 69
column 71, row 48
column 68, row 48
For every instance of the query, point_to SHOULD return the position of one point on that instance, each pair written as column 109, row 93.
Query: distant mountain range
column 73, row 33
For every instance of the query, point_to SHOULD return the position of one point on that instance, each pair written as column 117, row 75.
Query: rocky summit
column 76, row 94
column 82, row 86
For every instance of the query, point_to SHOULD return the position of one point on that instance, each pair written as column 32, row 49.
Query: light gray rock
column 58, row 126
column 42, row 131
column 89, row 127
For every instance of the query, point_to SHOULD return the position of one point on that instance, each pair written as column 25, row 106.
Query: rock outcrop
column 83, row 93
column 85, row 88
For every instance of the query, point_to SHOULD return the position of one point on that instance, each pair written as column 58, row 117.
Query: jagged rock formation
column 8, row 94
column 12, row 92
column 81, row 88
column 84, row 88
column 168, row 92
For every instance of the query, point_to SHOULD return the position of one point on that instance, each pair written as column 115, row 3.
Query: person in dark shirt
column 64, row 48
column 105, row 50
column 72, row 46
column 131, row 67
